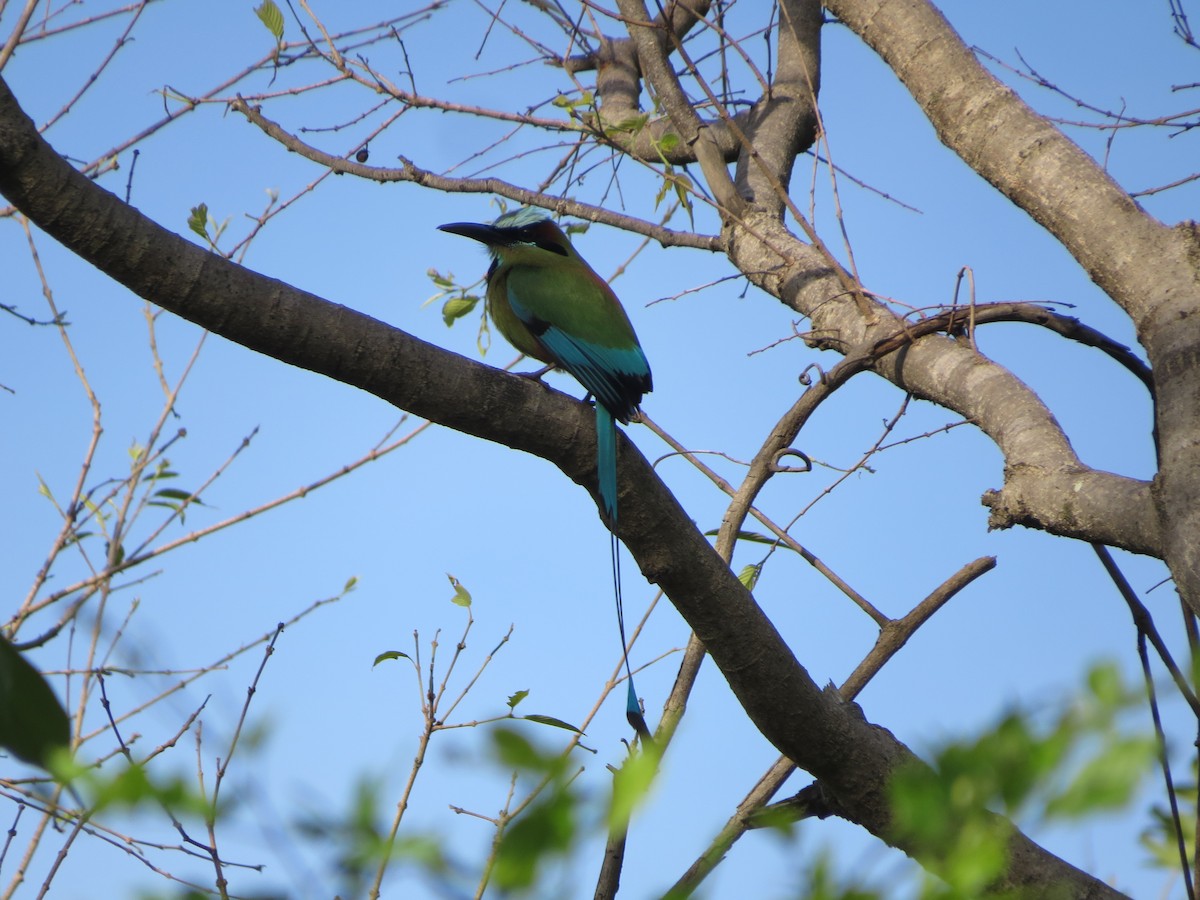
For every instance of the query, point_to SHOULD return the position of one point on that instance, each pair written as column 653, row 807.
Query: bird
column 552, row 306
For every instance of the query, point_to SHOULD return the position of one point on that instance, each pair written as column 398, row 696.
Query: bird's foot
column 534, row 376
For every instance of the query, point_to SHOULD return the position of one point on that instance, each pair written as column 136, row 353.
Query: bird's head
column 525, row 234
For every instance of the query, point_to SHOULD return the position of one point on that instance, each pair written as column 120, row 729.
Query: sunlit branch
column 409, row 172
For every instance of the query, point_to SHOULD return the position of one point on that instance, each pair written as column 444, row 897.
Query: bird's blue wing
column 616, row 376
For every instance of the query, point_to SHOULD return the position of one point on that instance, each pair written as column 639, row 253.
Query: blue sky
column 527, row 543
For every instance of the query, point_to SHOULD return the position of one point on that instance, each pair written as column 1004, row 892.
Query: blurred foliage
column 33, row 724
column 355, row 841
column 549, row 827
column 1074, row 760
column 1080, row 763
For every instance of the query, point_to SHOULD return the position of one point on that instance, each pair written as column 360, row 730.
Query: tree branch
column 651, row 42
column 954, row 375
column 1150, row 270
column 1018, row 151
column 412, row 173
column 783, row 123
column 816, row 729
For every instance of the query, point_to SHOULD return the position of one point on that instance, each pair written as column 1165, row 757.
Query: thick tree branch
column 1018, row 151
column 783, row 123
column 1046, row 479
column 954, row 375
column 1151, row 270
column 816, row 729
column 651, row 41
column 892, row 638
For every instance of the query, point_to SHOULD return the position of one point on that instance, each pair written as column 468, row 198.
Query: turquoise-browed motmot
column 551, row 305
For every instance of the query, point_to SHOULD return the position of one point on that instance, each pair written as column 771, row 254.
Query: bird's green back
column 563, row 292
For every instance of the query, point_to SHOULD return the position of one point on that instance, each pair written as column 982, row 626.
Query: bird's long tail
column 606, row 466
column 606, row 461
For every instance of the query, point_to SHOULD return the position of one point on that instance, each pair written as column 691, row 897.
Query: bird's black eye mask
column 556, row 248
column 534, row 234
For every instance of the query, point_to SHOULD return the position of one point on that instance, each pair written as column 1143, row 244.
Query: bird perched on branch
column 551, row 305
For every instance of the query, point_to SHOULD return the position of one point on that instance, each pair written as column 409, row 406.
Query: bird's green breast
column 506, row 320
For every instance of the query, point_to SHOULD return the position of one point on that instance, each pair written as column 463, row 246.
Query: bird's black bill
column 485, row 234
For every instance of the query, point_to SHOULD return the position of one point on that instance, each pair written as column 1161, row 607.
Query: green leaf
column 631, row 785
column 462, row 597
column 177, row 494
column 1104, row 682
column 677, row 183
column 753, row 537
column 632, row 125
column 749, row 575
column 682, row 185
column 389, row 654
column 663, row 188
column 197, row 222
column 457, row 307
column 268, row 13
column 516, row 751
column 516, row 698
column 586, row 99
column 545, row 830
column 445, row 282
column 550, row 720
column 33, row 724
column 1158, row 839
column 1107, row 781
column 978, row 857
column 669, row 142
column 351, row 584
column 547, row 827
column 133, row 786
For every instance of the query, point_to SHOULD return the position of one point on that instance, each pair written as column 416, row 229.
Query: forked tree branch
column 1047, row 486
column 1151, row 270
column 651, row 42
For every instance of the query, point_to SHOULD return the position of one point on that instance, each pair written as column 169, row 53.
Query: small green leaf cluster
column 203, row 225
column 586, row 101
column 271, row 16
column 175, row 499
column 102, row 513
column 458, row 301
